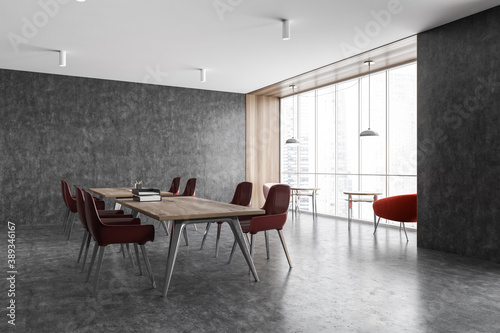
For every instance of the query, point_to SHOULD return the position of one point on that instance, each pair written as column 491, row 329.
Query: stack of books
column 146, row 194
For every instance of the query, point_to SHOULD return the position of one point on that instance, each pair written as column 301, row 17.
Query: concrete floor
column 340, row 282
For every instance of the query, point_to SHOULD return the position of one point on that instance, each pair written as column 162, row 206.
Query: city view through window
column 332, row 155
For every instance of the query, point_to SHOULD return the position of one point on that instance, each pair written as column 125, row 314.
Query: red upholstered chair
column 399, row 208
column 107, row 216
column 276, row 207
column 190, row 189
column 175, row 188
column 242, row 197
column 105, row 235
column 67, row 210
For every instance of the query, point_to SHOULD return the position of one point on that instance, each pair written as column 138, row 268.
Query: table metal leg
column 349, row 211
column 175, row 236
column 374, row 217
column 238, row 236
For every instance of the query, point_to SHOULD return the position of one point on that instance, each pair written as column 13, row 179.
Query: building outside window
column 332, row 156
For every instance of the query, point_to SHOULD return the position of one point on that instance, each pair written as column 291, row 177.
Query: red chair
column 276, row 207
column 67, row 210
column 72, row 205
column 399, row 208
column 105, row 235
column 242, row 197
column 107, row 216
column 175, row 188
column 190, row 189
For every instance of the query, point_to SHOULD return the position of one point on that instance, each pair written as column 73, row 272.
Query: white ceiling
column 237, row 41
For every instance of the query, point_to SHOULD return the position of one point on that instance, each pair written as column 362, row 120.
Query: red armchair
column 175, row 187
column 276, row 207
column 399, row 208
column 105, row 235
column 242, row 197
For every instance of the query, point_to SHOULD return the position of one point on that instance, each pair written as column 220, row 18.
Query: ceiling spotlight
column 80, row 0
column 203, row 75
column 62, row 58
column 285, row 29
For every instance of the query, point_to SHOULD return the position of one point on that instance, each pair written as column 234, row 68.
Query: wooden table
column 311, row 192
column 118, row 192
column 189, row 210
column 372, row 196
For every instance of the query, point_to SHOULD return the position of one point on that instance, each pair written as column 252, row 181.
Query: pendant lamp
column 369, row 132
column 292, row 141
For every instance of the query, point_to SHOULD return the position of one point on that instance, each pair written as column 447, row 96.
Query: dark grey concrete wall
column 459, row 137
column 99, row 133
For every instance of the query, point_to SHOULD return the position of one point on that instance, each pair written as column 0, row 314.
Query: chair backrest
column 277, row 200
column 69, row 199
column 243, row 194
column 92, row 217
column 190, row 189
column 175, row 188
column 80, row 204
column 266, row 187
column 399, row 208
column 63, row 192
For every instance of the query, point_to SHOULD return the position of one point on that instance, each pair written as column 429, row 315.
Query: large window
column 332, row 155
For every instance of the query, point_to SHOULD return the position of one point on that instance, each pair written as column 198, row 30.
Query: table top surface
column 362, row 193
column 187, row 208
column 119, row 192
column 305, row 188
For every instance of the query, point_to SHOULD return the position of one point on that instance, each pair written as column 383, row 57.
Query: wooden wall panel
column 262, row 143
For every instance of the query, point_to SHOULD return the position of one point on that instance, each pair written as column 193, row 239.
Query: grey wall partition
column 459, row 137
column 100, row 133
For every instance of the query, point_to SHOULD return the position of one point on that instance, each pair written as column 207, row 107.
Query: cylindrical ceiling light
column 203, row 75
column 62, row 58
column 285, row 29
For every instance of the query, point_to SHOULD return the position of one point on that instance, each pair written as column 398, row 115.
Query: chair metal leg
column 94, row 254
column 404, row 228
column 195, row 227
column 252, row 244
column 71, row 226
column 267, row 243
column 164, row 223
column 136, row 248
column 280, row 233
column 86, row 251
column 81, row 246
column 185, row 236
column 219, row 227
column 122, row 250
column 66, row 214
column 148, row 265
column 98, row 269
column 205, row 235
column 376, row 225
column 130, row 255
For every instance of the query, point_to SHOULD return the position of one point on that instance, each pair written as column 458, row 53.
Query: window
column 332, row 155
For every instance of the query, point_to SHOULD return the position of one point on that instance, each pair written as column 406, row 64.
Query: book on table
column 145, row 191
column 144, row 198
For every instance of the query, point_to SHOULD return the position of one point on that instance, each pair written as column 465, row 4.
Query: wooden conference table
column 189, row 210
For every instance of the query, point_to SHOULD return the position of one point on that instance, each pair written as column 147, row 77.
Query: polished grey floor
column 341, row 282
